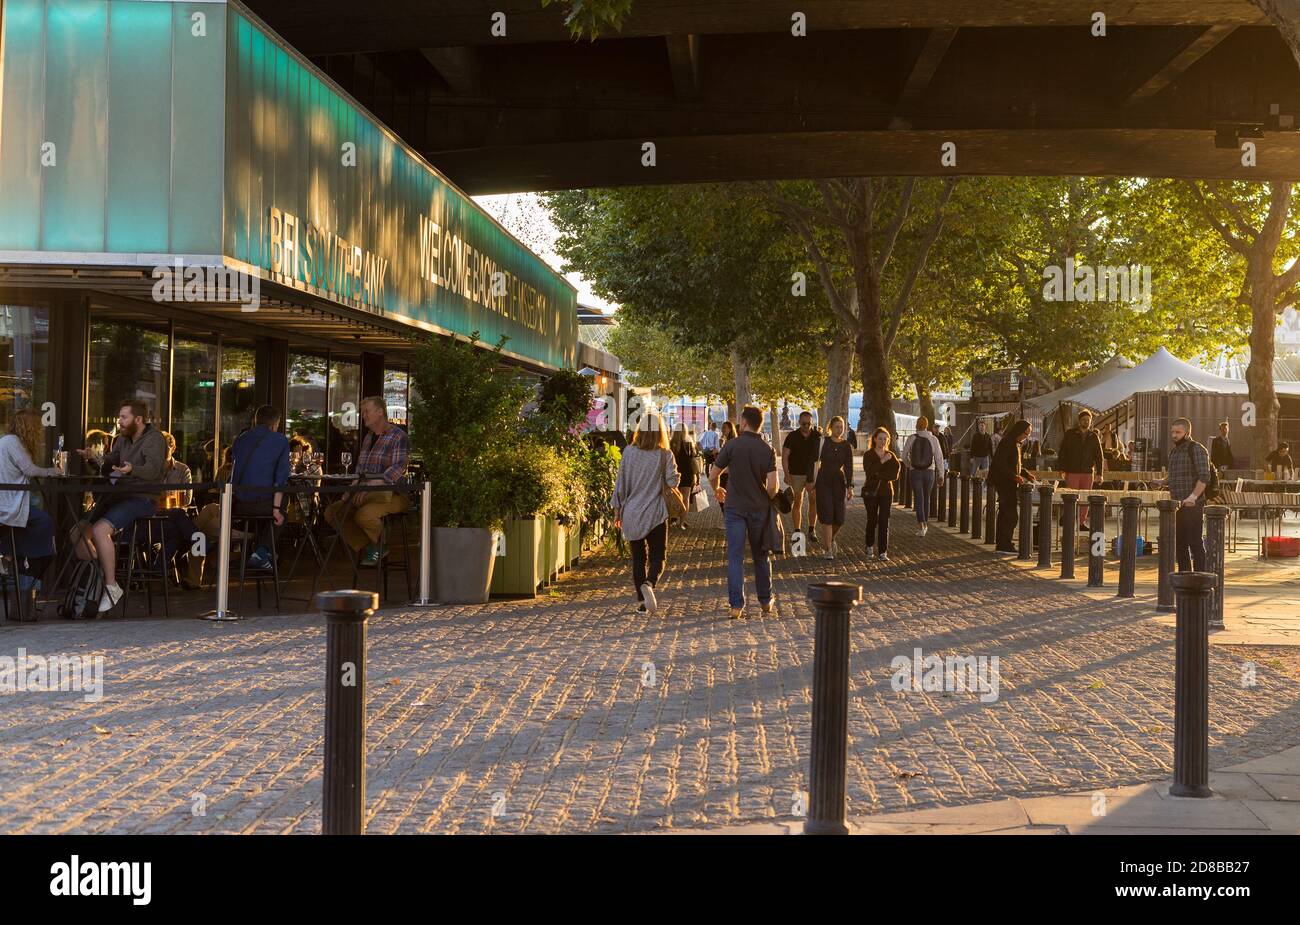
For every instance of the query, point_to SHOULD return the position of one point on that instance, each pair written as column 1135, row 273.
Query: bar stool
column 147, row 563
column 247, row 538
column 386, row 563
column 13, row 576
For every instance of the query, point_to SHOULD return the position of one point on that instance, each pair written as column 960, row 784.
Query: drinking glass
column 347, row 462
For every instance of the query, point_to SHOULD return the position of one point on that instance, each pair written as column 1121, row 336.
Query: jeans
column 742, row 526
column 922, row 485
column 1187, row 538
column 35, row 541
column 878, row 508
column 977, row 463
column 656, row 541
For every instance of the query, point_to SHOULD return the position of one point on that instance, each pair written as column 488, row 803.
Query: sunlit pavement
column 571, row 713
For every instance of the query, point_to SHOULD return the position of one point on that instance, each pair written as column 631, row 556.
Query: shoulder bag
column 672, row 498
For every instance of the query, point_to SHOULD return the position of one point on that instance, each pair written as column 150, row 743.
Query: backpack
column 921, row 454
column 85, row 589
column 1212, row 488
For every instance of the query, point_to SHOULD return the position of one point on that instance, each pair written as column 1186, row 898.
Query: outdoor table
column 1268, row 506
column 75, row 501
column 312, row 512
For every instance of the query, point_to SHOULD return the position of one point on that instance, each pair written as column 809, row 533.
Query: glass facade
column 128, row 361
column 397, row 387
column 345, row 412
column 24, row 361
column 305, row 416
column 239, row 394
column 194, row 402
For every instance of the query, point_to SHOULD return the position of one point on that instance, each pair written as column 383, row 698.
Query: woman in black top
column 880, row 469
column 728, row 433
column 690, row 464
column 834, row 483
column 1007, row 473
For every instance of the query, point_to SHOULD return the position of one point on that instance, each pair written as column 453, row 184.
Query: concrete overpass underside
column 726, row 92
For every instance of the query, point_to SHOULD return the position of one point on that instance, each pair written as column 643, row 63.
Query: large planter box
column 573, row 536
column 519, row 571
column 462, row 565
column 557, row 546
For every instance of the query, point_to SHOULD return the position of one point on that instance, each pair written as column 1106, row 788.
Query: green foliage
column 589, row 18
column 469, row 417
column 532, row 479
column 598, row 467
column 566, row 399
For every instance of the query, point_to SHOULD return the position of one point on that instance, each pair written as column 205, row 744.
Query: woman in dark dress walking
column 834, row 483
column 880, row 469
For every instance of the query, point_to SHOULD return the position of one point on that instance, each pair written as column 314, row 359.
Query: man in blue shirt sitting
column 259, row 456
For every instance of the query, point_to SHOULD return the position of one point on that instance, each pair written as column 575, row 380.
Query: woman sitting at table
column 179, row 527
column 33, row 528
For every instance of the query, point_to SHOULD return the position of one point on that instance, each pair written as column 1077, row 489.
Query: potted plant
column 532, row 479
column 465, row 425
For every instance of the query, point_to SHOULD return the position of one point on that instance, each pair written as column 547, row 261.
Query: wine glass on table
column 346, row 457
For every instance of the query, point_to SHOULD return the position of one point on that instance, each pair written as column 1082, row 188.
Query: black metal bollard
column 1194, row 592
column 1045, row 526
column 344, row 794
column 936, row 498
column 990, row 514
column 1069, row 526
column 1168, row 508
column 1096, row 541
column 1128, row 546
column 952, row 500
column 905, row 488
column 828, row 759
column 1215, row 540
column 1026, row 496
column 964, row 520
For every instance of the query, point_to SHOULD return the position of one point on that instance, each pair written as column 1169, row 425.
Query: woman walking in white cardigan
column 646, row 469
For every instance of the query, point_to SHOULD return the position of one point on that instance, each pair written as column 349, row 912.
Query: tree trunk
column 877, row 392
column 839, row 379
column 1259, row 373
column 744, row 395
column 1285, row 14
column 926, row 400
column 775, row 427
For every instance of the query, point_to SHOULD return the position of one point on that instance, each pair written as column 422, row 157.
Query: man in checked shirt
column 382, row 461
column 1189, row 476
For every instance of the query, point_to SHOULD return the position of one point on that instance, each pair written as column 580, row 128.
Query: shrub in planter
column 468, row 419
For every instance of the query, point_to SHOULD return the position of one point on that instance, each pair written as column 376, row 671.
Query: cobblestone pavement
column 545, row 715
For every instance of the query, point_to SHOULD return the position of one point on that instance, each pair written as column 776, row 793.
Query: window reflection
column 194, row 404
column 127, row 361
column 305, row 416
column 345, row 415
column 24, row 360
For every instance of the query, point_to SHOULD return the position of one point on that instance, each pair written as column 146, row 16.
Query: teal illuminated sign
column 133, row 131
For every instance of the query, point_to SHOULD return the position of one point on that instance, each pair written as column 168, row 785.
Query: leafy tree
column 869, row 239
column 706, row 264
column 1256, row 223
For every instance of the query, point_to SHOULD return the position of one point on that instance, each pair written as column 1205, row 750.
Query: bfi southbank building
column 193, row 215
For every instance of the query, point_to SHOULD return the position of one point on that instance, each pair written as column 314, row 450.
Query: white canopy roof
column 1108, row 370
column 1160, row 372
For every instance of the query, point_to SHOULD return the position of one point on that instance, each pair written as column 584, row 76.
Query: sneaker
column 640, row 608
column 1007, row 552
column 883, row 557
column 920, row 529
column 112, row 594
column 769, row 607
column 828, row 554
column 260, row 559
column 371, row 557
column 737, row 612
column 648, row 592
column 871, row 552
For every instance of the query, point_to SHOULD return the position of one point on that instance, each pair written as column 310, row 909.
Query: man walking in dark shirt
column 1081, row 459
column 799, row 460
column 1221, row 449
column 750, row 465
column 1189, row 476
